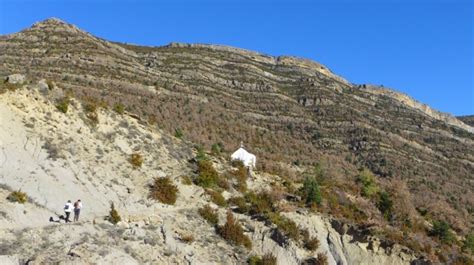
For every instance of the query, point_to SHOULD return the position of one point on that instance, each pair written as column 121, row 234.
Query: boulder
column 16, row 79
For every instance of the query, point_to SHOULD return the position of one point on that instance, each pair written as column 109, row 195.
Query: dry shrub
column 233, row 232
column 136, row 160
column 261, row 203
column 188, row 238
column 321, row 259
column 287, row 226
column 186, row 180
column 240, row 174
column 119, row 108
column 267, row 259
column 164, row 190
column 240, row 203
column 209, row 214
column 17, row 196
column 114, row 216
column 310, row 243
column 63, row 104
column 217, row 198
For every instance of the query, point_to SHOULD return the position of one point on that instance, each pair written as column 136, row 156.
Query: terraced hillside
column 292, row 113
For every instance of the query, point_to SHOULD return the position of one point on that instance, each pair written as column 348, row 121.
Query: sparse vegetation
column 209, row 214
column 136, row 159
column 240, row 175
column 119, row 108
column 385, row 205
column 178, row 133
column 187, row 238
column 164, row 190
column 321, row 259
column 217, row 198
column 114, row 216
column 63, row 104
column 310, row 243
column 267, row 259
column 469, row 243
column 17, row 196
column 186, row 180
column 233, row 232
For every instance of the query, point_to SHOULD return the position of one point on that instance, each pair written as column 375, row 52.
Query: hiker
column 77, row 210
column 68, row 210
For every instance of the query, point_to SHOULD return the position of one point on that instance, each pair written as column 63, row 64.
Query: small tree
column 208, row 176
column 114, row 216
column 385, row 205
column 369, row 187
column 311, row 191
column 441, row 230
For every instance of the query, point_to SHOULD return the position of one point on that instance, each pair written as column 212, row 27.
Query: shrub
column 240, row 203
column 209, row 214
column 267, row 259
column 17, row 196
column 136, row 160
column 164, row 191
column 114, row 216
column 241, row 176
column 385, row 205
column 369, row 187
column 260, row 203
column 186, row 180
column 233, row 232
column 442, row 231
column 217, row 198
column 119, row 108
column 50, row 84
column 208, row 176
column 285, row 225
column 90, row 107
column 311, row 191
column 310, row 243
column 469, row 243
column 178, row 133
column 201, row 155
column 187, row 238
column 216, row 149
column 63, row 104
column 321, row 259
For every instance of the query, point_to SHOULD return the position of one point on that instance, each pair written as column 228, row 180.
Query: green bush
column 240, row 202
column 119, row 108
column 369, row 187
column 217, row 198
column 178, row 133
column 216, row 149
column 208, row 176
column 469, row 243
column 233, row 232
column 311, row 192
column 261, row 203
column 136, row 160
column 114, row 216
column 241, row 176
column 164, row 191
column 441, row 230
column 209, row 214
column 17, row 196
column 385, row 205
column 63, row 104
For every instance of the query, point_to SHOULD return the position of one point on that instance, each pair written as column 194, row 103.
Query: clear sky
column 421, row 47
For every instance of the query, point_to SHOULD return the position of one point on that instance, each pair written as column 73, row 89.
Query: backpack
column 66, row 207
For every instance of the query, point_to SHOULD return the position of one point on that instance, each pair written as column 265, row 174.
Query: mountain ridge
column 294, row 115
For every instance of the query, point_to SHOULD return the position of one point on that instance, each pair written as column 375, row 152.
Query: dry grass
column 136, row 159
column 17, row 196
column 209, row 214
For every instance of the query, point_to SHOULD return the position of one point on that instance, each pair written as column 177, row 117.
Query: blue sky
column 420, row 47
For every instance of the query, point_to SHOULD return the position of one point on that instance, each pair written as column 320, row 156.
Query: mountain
column 468, row 119
column 298, row 117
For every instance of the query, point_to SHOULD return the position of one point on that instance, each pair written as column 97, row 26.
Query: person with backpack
column 77, row 210
column 68, row 210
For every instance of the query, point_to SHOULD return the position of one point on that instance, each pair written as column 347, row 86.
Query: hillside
column 469, row 119
column 294, row 114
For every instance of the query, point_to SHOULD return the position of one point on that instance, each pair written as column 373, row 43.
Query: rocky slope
column 54, row 156
column 293, row 113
